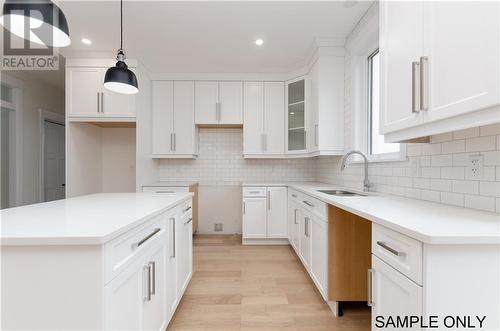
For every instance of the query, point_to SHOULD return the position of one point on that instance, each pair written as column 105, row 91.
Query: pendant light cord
column 121, row 24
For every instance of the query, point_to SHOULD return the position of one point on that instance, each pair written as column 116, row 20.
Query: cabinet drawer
column 121, row 251
column 314, row 205
column 185, row 209
column 254, row 191
column 165, row 189
column 399, row 251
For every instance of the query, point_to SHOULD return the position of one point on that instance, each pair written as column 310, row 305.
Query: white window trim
column 361, row 47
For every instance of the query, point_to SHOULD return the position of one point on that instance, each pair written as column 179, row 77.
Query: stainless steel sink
column 340, row 192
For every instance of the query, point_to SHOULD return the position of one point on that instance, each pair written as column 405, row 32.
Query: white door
column 274, row 120
column 401, row 43
column 461, row 41
column 206, row 99
column 116, row 104
column 171, row 268
column 153, row 312
column 304, row 240
column 125, row 293
column 276, row 212
column 54, row 165
column 254, row 218
column 162, row 117
column 83, row 91
column 393, row 294
column 184, row 127
column 253, row 112
column 231, row 102
column 319, row 254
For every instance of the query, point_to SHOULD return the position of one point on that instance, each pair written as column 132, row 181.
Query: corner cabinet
column 443, row 58
column 296, row 117
column 87, row 99
column 173, row 134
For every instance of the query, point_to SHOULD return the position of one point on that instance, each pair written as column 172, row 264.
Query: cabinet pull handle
column 424, row 70
column 102, row 102
column 295, row 216
column 152, row 266
column 316, row 135
column 185, row 210
column 172, row 220
column 244, row 207
column 268, row 200
column 175, row 142
column 294, row 195
column 171, row 143
column 147, row 270
column 143, row 240
column 308, row 203
column 390, row 249
column 263, row 141
column 217, row 111
column 306, row 227
column 98, row 102
column 415, row 87
column 188, row 221
column 370, row 287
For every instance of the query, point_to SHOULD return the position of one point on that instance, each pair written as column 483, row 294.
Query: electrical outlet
column 475, row 167
column 218, row 227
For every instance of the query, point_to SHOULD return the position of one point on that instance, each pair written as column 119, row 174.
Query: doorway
column 53, row 161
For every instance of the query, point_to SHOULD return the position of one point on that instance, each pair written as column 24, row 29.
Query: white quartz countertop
column 429, row 222
column 174, row 183
column 85, row 220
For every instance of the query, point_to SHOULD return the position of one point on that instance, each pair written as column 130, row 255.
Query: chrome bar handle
column 217, row 111
column 175, row 141
column 370, row 287
column 143, row 240
column 98, row 102
column 306, row 224
column 415, row 84
column 390, row 249
column 268, row 200
column 102, row 102
column 186, row 210
column 295, row 216
column 188, row 221
column 146, row 274
column 308, row 203
column 171, row 143
column 172, row 220
column 244, row 207
column 424, row 77
column 152, row 267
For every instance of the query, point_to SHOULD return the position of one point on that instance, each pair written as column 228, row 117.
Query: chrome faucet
column 366, row 183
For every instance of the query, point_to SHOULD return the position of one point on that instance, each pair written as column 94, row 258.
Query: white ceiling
column 169, row 37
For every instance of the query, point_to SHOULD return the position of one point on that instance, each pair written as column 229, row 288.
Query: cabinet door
column 117, row 104
column 254, row 118
column 294, row 223
column 319, row 254
column 313, row 141
column 231, row 102
column 461, row 40
column 401, row 43
column 305, row 242
column 184, row 127
column 296, row 116
column 274, row 117
column 254, row 218
column 185, row 242
column 83, row 91
column 276, row 212
column 162, row 117
column 393, row 294
column 154, row 312
column 125, row 293
column 206, row 99
column 171, row 268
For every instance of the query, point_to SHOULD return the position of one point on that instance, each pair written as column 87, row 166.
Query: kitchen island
column 96, row 262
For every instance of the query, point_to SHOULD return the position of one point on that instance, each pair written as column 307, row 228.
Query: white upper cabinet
column 86, row 96
column 264, row 119
column 439, row 67
column 401, row 44
column 219, row 103
column 296, row 123
column 461, row 41
column 174, row 134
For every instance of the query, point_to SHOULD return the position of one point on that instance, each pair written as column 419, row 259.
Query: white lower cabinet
column 319, row 253
column 153, row 308
column 305, row 239
column 393, row 294
column 293, row 223
column 265, row 213
column 185, row 253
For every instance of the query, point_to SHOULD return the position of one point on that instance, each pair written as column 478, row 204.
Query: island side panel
column 51, row 287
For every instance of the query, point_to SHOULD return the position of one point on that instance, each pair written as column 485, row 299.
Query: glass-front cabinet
column 296, row 115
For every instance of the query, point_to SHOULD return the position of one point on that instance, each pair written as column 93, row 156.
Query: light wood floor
column 258, row 288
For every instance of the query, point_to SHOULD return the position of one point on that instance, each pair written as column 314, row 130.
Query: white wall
column 437, row 171
column 118, row 160
column 36, row 95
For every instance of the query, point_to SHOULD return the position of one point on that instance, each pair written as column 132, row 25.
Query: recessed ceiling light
column 259, row 42
column 86, row 41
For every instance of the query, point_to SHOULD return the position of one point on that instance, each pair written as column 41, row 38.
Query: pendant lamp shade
column 46, row 21
column 120, row 78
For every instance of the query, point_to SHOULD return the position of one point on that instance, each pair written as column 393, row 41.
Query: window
column 376, row 145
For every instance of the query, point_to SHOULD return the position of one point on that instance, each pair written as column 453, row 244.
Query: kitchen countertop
column 85, row 220
column 174, row 183
column 429, row 222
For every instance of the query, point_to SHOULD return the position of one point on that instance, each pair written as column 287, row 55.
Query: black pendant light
column 46, row 20
column 119, row 78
